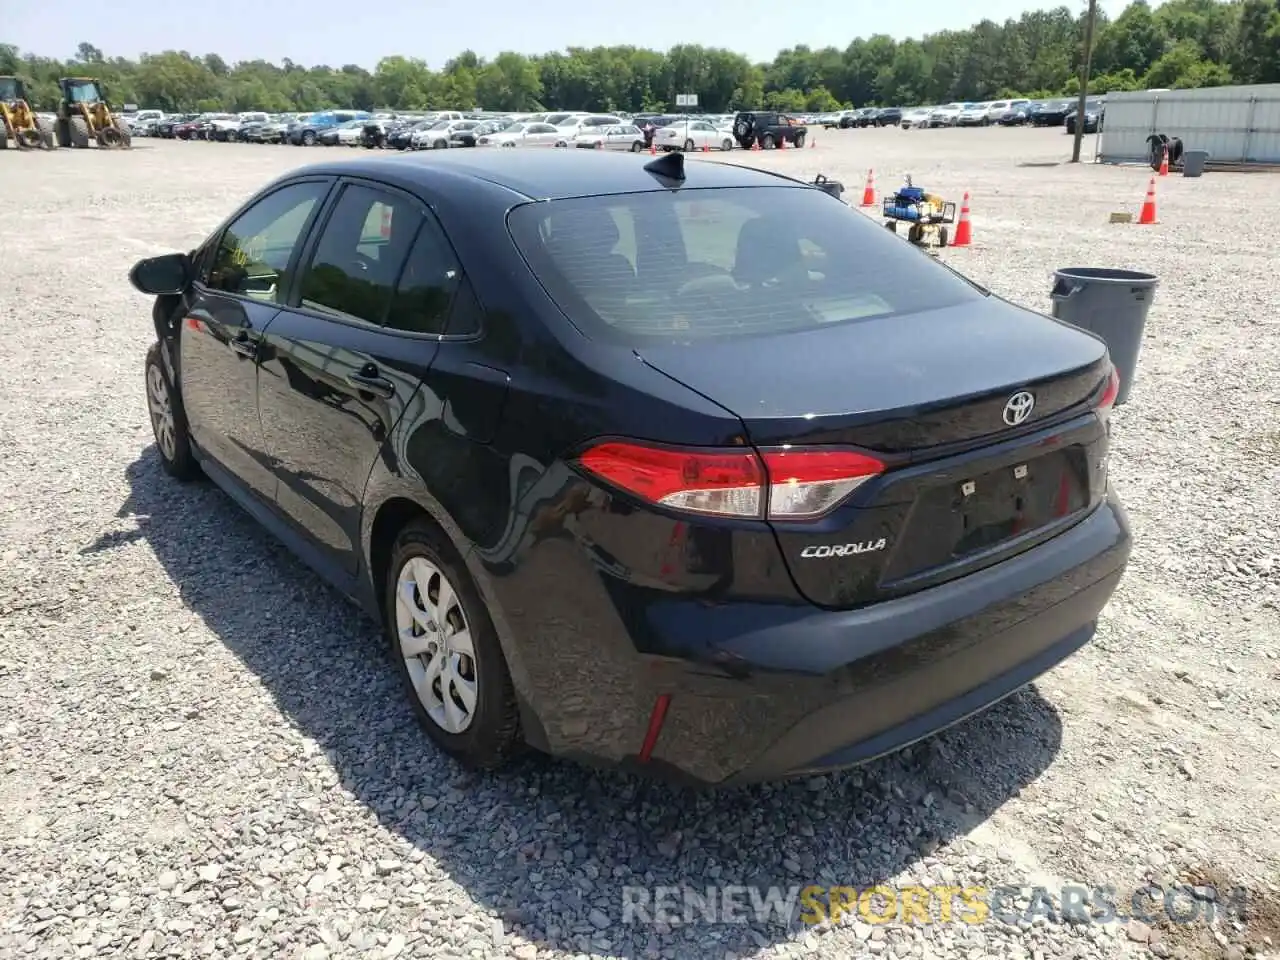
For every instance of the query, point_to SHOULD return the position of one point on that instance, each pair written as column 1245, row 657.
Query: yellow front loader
column 84, row 116
column 19, row 125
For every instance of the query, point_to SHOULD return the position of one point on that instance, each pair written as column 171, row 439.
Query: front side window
column 662, row 267
column 361, row 251
column 254, row 252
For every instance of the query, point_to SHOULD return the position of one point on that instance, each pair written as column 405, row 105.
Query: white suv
column 999, row 108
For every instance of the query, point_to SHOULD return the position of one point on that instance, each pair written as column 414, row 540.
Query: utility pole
column 1084, row 79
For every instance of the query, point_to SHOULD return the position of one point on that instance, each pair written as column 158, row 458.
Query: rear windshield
column 692, row 265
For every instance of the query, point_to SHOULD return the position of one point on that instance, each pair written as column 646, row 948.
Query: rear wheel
column 726, row 144
column 126, row 135
column 79, row 132
column 689, row 146
column 766, row 142
column 799, row 139
column 308, row 138
column 168, row 420
column 637, row 147
column 447, row 651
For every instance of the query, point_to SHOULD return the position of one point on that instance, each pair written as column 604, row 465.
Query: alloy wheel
column 161, row 406
column 434, row 638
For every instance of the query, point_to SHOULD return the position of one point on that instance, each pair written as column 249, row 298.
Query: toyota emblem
column 1018, row 407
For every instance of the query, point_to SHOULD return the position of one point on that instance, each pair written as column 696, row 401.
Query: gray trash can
column 1113, row 305
column 1193, row 162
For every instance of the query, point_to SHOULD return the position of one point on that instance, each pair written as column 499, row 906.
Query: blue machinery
column 926, row 213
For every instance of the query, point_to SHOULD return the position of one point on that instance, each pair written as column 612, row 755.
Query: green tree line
column 1182, row 43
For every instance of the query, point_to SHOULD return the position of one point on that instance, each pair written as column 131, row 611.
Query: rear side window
column 358, row 258
column 427, row 284
column 704, row 264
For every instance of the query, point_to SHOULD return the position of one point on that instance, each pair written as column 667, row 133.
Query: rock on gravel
column 204, row 752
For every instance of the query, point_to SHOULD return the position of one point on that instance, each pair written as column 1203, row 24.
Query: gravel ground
column 203, row 751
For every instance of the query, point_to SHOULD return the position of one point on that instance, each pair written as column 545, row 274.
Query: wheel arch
column 397, row 505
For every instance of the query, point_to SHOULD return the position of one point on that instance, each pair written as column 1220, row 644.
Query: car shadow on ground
column 555, row 849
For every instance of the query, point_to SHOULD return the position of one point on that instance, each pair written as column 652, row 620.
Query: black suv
column 767, row 129
column 889, row 117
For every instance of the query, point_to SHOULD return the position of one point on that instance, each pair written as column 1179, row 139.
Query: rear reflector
column 794, row 483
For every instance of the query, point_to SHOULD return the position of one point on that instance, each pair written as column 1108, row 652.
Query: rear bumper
column 952, row 651
column 769, row 691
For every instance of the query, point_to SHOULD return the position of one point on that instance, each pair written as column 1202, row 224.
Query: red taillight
column 1110, row 393
column 796, row 484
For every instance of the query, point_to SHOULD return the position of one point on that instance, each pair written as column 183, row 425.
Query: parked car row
column 440, row 130
column 1009, row 113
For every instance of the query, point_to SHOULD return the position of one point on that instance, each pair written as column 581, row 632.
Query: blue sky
column 338, row 31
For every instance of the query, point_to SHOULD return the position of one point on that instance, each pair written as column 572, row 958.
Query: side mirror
column 162, row 276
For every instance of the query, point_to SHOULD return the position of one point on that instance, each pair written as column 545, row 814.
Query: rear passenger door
column 344, row 360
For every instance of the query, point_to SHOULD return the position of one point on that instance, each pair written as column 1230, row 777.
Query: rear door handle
column 245, row 347
column 370, row 382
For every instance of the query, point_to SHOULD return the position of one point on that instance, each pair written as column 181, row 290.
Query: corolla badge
column 1018, row 407
column 823, row 551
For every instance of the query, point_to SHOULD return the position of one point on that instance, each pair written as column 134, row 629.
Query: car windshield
column 662, row 267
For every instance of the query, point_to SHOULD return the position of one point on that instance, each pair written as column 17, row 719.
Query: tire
column 48, row 135
column 168, row 420
column 308, row 138
column 126, row 135
column 766, row 142
column 79, row 132
column 637, row 147
column 942, row 236
column 891, row 226
column 62, row 130
column 4, row 137
column 726, row 145
column 800, row 141
column 689, row 146
column 486, row 735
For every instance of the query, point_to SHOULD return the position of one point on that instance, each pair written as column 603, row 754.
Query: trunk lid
column 927, row 393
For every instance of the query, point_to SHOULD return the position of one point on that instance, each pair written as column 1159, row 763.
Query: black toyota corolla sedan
column 686, row 468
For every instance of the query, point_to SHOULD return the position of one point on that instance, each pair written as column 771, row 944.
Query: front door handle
column 244, row 346
column 369, row 382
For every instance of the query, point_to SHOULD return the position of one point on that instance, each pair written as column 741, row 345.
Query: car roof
column 543, row 174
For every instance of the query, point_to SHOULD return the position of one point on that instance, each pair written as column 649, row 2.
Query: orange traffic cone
column 964, row 230
column 782, row 143
column 653, row 149
column 705, row 148
column 869, row 191
column 755, row 145
column 1164, row 163
column 813, row 143
column 1148, row 214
